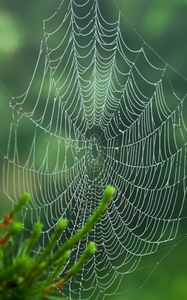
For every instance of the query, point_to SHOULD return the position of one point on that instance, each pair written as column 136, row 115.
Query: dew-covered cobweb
column 101, row 108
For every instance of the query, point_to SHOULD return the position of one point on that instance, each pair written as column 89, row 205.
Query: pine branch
column 24, row 275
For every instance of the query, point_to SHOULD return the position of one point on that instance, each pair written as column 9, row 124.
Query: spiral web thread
column 99, row 112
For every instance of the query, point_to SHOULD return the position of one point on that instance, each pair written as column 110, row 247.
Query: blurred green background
column 163, row 25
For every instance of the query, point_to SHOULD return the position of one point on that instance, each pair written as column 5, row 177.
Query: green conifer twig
column 27, row 275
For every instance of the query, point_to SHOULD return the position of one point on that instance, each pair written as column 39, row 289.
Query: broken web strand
column 103, row 120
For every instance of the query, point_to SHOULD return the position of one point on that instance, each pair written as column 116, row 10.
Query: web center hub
column 94, row 147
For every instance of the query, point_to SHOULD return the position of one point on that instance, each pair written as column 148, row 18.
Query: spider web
column 100, row 110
